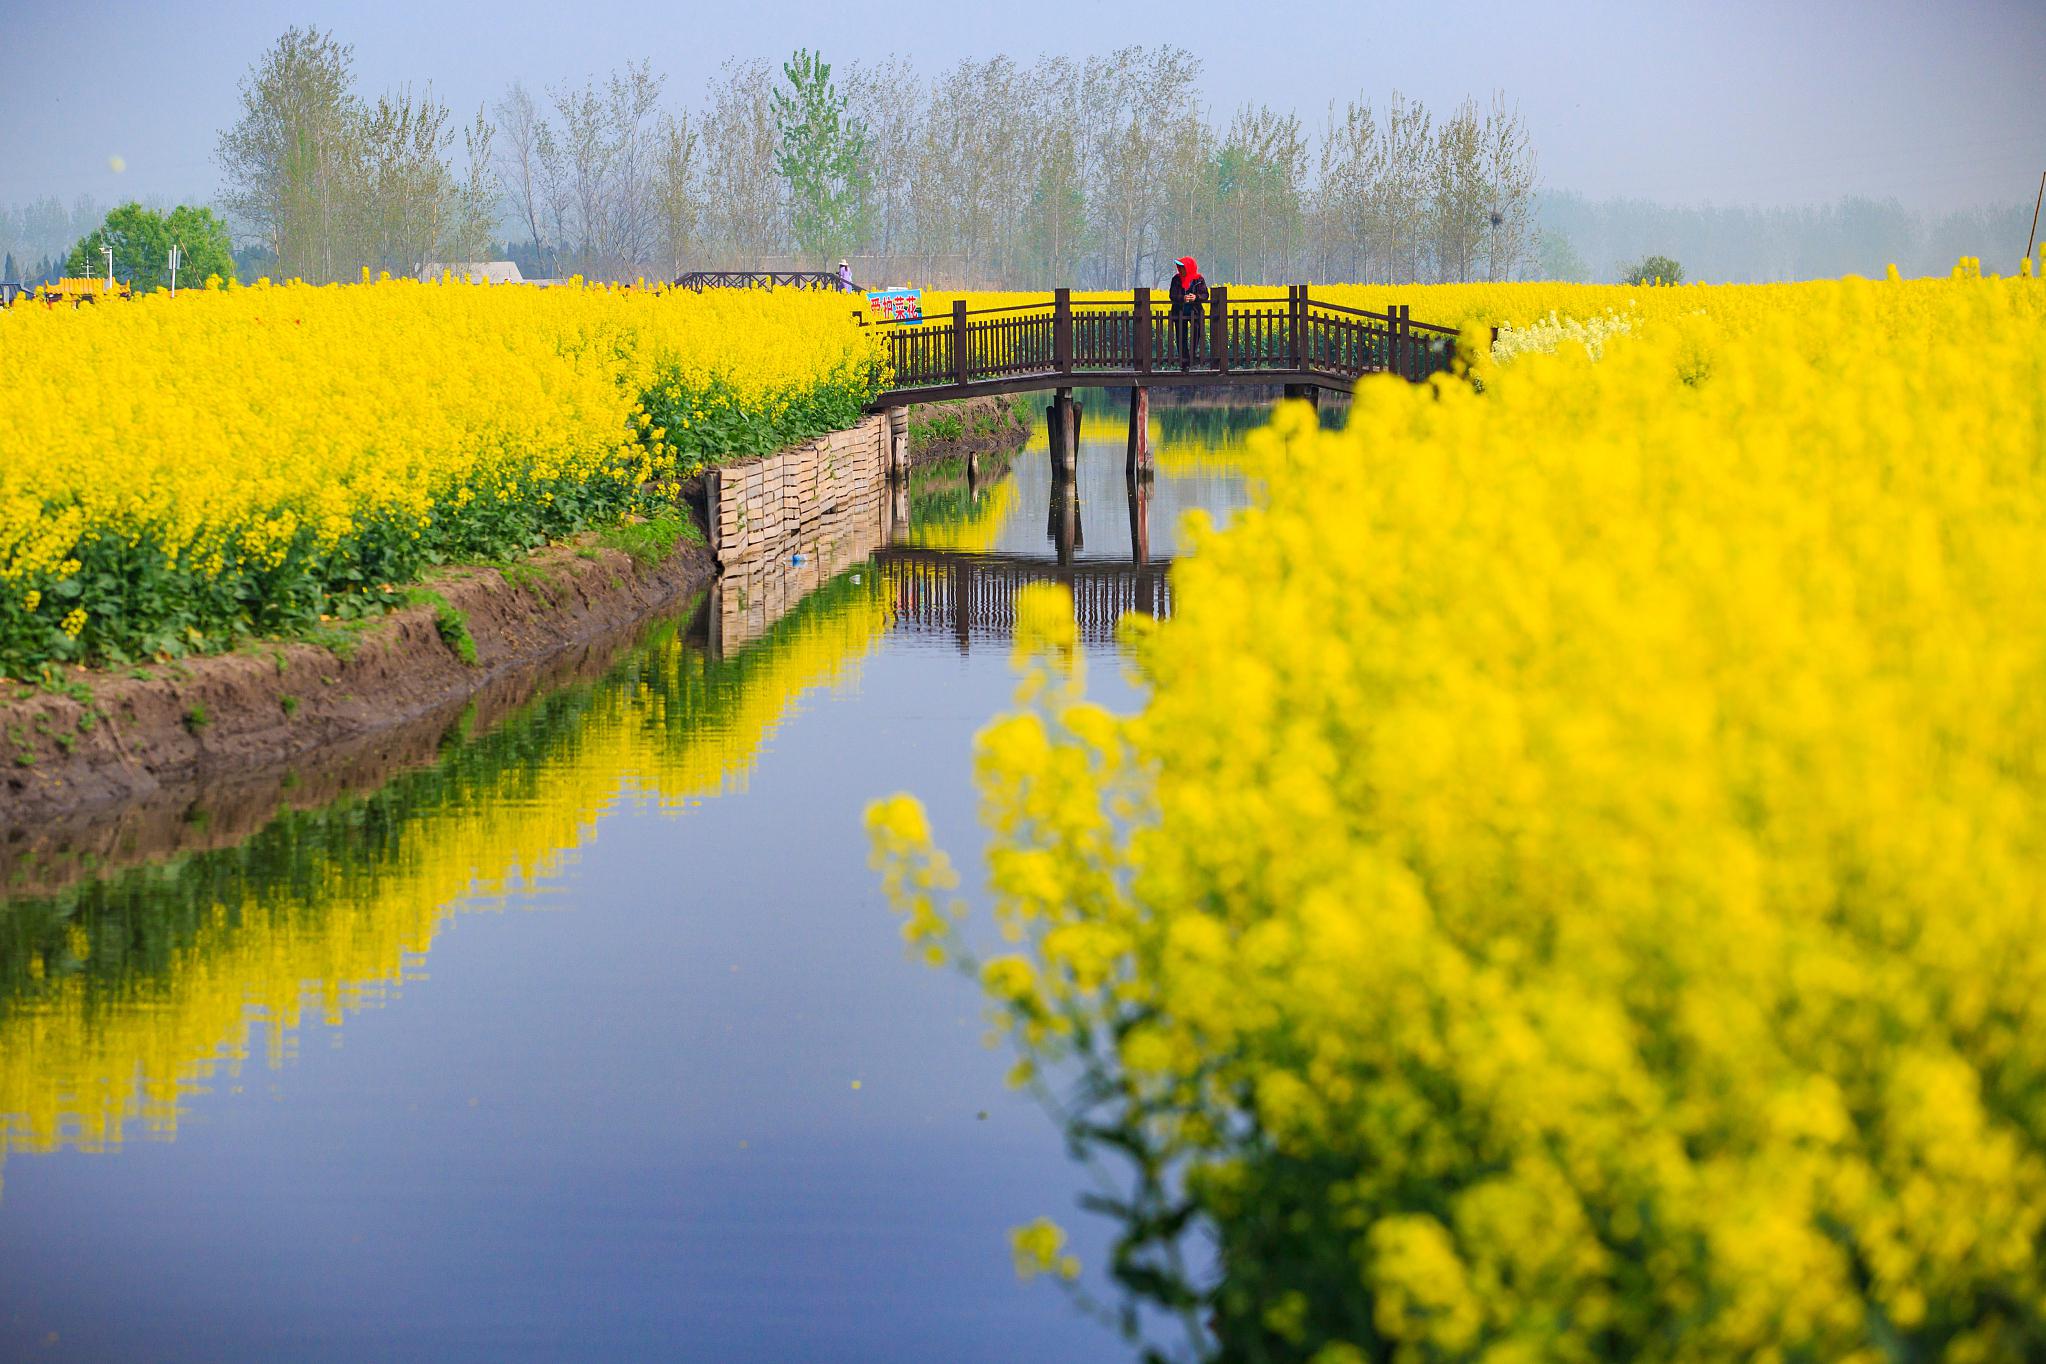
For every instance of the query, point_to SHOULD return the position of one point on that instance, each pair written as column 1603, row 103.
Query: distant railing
column 699, row 280
column 1269, row 337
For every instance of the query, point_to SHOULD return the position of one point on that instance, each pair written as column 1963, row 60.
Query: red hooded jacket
column 1189, row 290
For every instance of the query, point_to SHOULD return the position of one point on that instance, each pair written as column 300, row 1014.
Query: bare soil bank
column 239, row 724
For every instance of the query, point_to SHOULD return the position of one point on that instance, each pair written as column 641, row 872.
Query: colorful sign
column 895, row 305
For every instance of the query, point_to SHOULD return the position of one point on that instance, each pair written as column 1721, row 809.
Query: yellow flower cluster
column 1577, row 889
column 230, row 458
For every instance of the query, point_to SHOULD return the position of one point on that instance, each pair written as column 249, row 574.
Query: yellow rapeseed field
column 1577, row 889
column 180, row 471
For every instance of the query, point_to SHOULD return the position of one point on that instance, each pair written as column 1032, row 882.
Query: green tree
column 1556, row 258
column 142, row 238
column 821, row 154
column 1656, row 270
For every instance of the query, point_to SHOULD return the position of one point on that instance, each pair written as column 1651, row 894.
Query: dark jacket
column 1190, row 300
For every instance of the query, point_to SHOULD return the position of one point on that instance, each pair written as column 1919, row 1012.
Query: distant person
column 1189, row 307
column 845, row 276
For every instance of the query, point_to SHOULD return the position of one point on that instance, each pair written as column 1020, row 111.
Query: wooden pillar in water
column 1138, row 464
column 898, row 443
column 1062, row 430
column 1140, row 521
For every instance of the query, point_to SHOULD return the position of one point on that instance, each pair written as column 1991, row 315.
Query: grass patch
column 197, row 719
column 532, row 578
column 453, row 625
column 654, row 539
column 342, row 641
column 290, row 704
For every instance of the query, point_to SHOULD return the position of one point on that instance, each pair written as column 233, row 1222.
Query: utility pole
column 2033, row 235
column 107, row 250
column 176, row 255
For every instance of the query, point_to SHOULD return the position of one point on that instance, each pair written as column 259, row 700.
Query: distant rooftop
column 475, row 271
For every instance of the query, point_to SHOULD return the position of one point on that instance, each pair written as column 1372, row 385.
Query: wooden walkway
column 1284, row 338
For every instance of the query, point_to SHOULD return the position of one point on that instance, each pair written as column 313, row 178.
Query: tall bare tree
column 677, row 201
column 745, row 205
column 1509, row 171
column 1459, row 199
column 286, row 160
column 521, row 129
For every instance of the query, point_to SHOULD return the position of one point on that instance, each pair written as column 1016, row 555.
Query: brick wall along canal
column 590, row 1038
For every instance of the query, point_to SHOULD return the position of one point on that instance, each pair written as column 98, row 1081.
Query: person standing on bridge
column 1189, row 308
column 845, row 276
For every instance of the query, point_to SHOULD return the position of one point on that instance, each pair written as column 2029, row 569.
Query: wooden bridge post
column 1138, row 465
column 898, row 442
column 1218, row 327
column 1062, row 329
column 1296, row 317
column 1140, row 331
column 1062, row 432
column 961, row 368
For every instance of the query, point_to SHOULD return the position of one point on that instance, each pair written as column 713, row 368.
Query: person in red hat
column 1189, row 307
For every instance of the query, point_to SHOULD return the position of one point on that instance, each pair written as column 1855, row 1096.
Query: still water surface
column 592, row 1039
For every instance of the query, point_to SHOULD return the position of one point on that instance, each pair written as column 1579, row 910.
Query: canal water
column 589, row 1038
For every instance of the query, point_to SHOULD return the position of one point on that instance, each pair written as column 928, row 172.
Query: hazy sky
column 1731, row 101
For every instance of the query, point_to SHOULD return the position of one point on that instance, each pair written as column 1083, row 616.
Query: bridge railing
column 1286, row 335
column 699, row 280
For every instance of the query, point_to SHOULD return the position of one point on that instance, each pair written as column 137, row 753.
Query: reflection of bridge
column 961, row 594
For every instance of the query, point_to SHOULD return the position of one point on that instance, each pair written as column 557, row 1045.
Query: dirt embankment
column 968, row 426
column 156, row 736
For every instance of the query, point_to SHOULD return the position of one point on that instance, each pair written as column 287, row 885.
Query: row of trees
column 332, row 183
column 1095, row 171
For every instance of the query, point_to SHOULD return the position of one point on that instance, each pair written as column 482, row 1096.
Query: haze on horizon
column 1687, row 103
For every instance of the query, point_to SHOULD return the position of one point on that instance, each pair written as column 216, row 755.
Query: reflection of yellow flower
column 1039, row 1247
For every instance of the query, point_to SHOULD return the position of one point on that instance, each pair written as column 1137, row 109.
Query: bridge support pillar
column 1138, row 465
column 1307, row 393
column 898, row 443
column 1062, row 429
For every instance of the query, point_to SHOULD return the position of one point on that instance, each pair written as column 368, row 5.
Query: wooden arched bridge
column 1287, row 339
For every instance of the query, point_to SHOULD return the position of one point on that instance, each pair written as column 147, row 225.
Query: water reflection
column 121, row 997
column 641, row 1056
